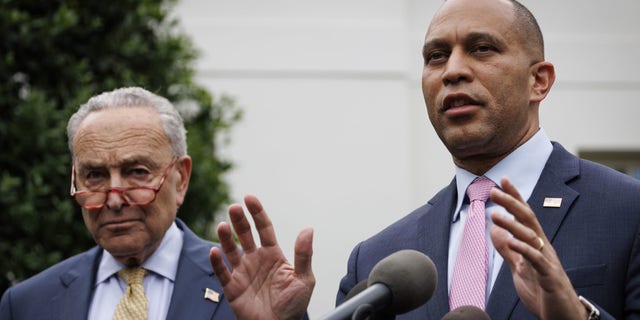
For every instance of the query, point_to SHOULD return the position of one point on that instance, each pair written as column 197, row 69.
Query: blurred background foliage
column 56, row 54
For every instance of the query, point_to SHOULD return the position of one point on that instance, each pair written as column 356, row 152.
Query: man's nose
column 115, row 200
column 457, row 68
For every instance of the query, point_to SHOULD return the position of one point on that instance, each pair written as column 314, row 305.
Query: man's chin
column 124, row 250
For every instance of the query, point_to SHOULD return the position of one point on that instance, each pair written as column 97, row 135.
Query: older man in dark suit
column 130, row 174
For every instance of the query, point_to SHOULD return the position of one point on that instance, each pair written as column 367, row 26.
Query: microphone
column 359, row 287
column 365, row 311
column 397, row 284
column 466, row 313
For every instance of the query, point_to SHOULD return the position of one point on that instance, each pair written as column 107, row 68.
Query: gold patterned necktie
column 133, row 305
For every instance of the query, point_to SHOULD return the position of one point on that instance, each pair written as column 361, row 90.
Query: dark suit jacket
column 595, row 233
column 64, row 290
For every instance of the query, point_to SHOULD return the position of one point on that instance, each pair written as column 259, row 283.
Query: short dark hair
column 528, row 27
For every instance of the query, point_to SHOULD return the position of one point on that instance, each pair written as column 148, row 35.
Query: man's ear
column 183, row 166
column 543, row 75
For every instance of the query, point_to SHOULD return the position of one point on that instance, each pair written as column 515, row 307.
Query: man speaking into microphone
column 525, row 230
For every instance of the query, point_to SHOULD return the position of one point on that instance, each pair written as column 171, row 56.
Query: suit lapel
column 193, row 277
column 560, row 168
column 434, row 229
column 74, row 298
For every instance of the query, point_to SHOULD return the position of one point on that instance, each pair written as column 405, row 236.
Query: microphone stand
column 367, row 312
column 363, row 312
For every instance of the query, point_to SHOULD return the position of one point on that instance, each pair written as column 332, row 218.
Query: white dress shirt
column 523, row 167
column 162, row 267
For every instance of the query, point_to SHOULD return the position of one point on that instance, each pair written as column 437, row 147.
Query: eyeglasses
column 133, row 196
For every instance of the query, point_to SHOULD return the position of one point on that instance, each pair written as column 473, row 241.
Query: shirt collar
column 163, row 261
column 523, row 167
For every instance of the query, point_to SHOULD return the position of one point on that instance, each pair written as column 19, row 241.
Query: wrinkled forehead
column 455, row 16
column 114, row 134
column 118, row 120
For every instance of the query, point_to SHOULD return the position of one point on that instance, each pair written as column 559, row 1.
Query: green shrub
column 54, row 55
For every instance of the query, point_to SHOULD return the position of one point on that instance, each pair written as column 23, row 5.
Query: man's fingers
column 519, row 230
column 534, row 257
column 513, row 249
column 509, row 188
column 242, row 227
column 510, row 199
column 229, row 246
column 261, row 220
column 500, row 239
column 303, row 251
column 220, row 269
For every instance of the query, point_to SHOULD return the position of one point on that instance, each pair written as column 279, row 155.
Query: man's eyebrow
column 90, row 165
column 470, row 38
column 483, row 36
column 432, row 44
column 134, row 161
column 124, row 163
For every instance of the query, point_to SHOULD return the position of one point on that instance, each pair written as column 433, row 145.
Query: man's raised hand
column 262, row 284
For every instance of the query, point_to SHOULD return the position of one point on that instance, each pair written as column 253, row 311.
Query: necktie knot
column 479, row 189
column 132, row 276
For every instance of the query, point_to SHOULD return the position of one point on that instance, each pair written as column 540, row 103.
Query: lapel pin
column 552, row 202
column 212, row 295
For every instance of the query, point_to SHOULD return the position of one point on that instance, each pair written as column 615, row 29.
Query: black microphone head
column 410, row 276
column 359, row 287
column 466, row 313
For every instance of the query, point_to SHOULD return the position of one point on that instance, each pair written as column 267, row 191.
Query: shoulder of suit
column 53, row 275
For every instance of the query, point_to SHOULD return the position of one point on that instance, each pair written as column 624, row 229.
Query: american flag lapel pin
column 212, row 295
column 552, row 202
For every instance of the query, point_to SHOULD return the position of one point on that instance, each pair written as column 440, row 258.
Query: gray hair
column 135, row 97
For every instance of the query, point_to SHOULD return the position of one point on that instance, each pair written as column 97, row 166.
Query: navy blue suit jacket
column 595, row 232
column 64, row 290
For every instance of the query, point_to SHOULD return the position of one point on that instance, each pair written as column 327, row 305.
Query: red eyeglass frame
column 121, row 190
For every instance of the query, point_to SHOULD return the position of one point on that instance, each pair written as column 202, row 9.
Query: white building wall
column 335, row 133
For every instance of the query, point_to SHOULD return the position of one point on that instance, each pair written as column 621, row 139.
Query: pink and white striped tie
column 469, row 282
